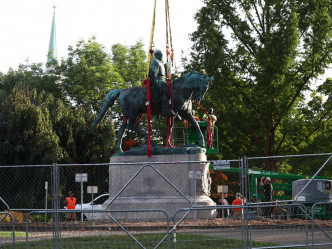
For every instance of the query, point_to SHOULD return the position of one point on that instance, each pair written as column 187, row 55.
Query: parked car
column 94, row 204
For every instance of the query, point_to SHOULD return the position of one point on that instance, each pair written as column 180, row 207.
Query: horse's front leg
column 195, row 126
column 120, row 136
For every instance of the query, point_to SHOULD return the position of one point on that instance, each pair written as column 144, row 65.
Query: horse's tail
column 108, row 103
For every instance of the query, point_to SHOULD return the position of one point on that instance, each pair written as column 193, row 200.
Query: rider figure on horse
column 159, row 85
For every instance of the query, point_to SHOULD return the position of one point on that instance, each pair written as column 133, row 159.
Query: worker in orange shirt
column 70, row 203
column 239, row 199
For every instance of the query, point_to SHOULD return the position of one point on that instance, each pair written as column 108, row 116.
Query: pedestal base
column 166, row 187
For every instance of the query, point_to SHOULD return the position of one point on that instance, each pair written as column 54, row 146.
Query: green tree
column 3, row 92
column 26, row 132
column 130, row 62
column 315, row 113
column 38, row 128
column 88, row 74
column 263, row 56
column 32, row 75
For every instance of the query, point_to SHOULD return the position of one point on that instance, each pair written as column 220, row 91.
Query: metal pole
column 256, row 186
column 56, row 196
column 81, row 200
column 174, row 236
column 92, row 203
column 46, row 194
column 306, row 229
column 246, row 197
column 195, row 198
column 222, row 201
column 258, row 210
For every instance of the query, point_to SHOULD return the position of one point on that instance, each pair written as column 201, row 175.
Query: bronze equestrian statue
column 191, row 86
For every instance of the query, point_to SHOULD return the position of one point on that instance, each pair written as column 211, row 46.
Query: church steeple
column 52, row 49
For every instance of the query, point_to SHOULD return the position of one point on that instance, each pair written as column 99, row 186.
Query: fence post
column 56, row 205
column 174, row 235
column 306, row 228
column 312, row 227
column 246, row 237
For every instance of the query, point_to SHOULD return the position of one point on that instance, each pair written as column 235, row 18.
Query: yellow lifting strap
column 169, row 54
column 151, row 39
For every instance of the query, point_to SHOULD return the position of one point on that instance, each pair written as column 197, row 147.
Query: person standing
column 210, row 115
column 222, row 200
column 70, row 204
column 237, row 212
column 268, row 188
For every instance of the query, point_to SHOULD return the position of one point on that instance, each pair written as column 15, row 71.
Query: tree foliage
column 88, row 73
column 264, row 56
column 38, row 128
column 26, row 129
column 33, row 75
column 130, row 62
column 47, row 118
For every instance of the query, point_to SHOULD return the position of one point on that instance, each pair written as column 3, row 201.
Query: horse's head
column 194, row 83
column 200, row 86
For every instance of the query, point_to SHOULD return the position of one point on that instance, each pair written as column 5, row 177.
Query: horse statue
column 191, row 86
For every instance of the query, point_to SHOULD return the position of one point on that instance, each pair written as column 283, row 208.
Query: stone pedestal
column 165, row 187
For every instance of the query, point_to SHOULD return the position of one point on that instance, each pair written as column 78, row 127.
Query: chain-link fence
column 7, row 230
column 33, row 214
column 321, row 225
column 283, row 171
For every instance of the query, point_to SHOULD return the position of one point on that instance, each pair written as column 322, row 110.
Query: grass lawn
column 147, row 240
column 10, row 234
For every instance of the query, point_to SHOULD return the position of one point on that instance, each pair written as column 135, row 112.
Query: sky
column 26, row 26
